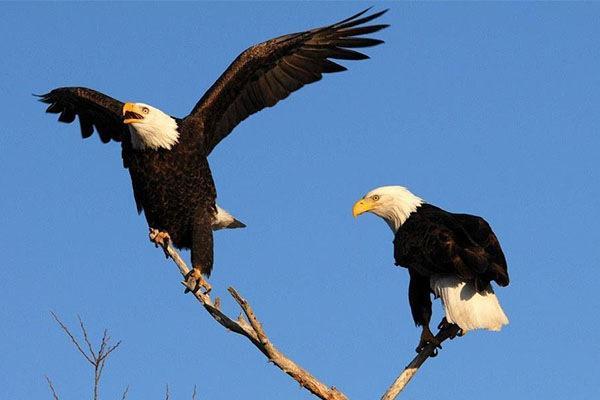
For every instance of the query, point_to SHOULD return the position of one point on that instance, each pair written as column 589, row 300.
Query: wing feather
column 435, row 241
column 95, row 110
column 67, row 116
column 481, row 232
column 270, row 71
column 87, row 126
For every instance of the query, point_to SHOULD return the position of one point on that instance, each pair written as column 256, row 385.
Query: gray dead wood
column 251, row 328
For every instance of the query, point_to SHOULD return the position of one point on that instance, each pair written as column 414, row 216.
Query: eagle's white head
column 150, row 127
column 392, row 203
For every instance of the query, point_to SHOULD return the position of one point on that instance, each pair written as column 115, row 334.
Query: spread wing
column 94, row 109
column 268, row 72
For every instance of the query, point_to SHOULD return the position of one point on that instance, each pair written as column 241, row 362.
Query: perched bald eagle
column 452, row 256
column 167, row 156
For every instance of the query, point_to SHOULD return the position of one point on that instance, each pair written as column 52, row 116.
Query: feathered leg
column 202, row 253
column 420, row 306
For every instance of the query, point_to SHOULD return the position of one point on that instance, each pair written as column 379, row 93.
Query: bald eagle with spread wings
column 167, row 156
column 452, row 256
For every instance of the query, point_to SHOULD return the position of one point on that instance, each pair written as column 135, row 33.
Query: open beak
column 362, row 206
column 131, row 114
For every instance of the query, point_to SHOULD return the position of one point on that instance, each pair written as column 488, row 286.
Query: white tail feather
column 466, row 307
column 224, row 220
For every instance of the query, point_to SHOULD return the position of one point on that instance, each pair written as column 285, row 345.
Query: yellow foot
column 161, row 239
column 195, row 280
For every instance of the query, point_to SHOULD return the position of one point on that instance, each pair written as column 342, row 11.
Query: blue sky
column 486, row 108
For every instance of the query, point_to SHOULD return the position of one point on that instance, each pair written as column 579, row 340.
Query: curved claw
column 427, row 338
column 161, row 239
column 196, row 277
column 423, row 345
column 444, row 324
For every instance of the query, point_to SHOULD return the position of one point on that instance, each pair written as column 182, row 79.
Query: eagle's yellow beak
column 362, row 206
column 132, row 113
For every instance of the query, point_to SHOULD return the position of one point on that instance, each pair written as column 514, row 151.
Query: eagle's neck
column 159, row 134
column 397, row 213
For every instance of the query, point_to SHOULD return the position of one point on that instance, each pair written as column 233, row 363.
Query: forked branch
column 96, row 357
column 250, row 327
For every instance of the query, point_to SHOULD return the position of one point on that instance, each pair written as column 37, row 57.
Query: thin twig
column 54, row 395
column 110, row 350
column 194, row 393
column 125, row 393
column 73, row 339
column 86, row 338
column 411, row 369
column 252, row 330
column 95, row 357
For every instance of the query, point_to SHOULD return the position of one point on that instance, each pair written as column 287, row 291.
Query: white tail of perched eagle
column 466, row 307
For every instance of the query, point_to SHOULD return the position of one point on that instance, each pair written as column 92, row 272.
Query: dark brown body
column 433, row 241
column 176, row 192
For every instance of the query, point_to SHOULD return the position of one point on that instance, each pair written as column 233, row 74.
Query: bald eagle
column 167, row 156
column 452, row 256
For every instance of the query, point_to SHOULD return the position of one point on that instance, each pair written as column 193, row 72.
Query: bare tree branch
column 95, row 357
column 411, row 369
column 247, row 324
column 251, row 329
column 54, row 395
column 73, row 339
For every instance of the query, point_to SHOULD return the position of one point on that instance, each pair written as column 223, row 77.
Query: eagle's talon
column 445, row 325
column 198, row 280
column 427, row 338
column 422, row 345
column 161, row 239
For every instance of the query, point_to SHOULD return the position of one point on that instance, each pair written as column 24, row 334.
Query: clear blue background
column 486, row 108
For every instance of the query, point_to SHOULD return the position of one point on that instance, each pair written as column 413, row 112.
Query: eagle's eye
column 145, row 110
column 375, row 197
